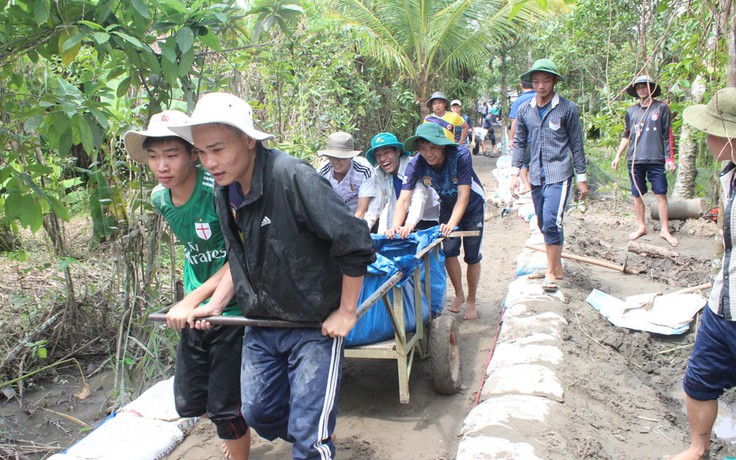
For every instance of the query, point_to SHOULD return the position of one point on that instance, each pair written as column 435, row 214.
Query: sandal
column 549, row 286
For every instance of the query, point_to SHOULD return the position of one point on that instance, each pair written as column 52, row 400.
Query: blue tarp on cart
column 398, row 255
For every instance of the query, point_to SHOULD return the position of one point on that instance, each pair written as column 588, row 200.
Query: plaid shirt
column 721, row 302
column 556, row 142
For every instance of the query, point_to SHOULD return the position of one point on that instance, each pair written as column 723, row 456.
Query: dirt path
column 622, row 400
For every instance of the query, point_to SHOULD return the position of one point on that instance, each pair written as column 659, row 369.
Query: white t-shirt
column 357, row 183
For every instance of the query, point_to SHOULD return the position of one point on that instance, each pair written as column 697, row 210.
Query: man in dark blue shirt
column 448, row 169
column 649, row 144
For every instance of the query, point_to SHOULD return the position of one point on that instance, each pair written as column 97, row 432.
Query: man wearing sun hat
column 207, row 372
column 648, row 136
column 444, row 118
column 712, row 366
column 351, row 176
column 448, row 169
column 297, row 253
column 550, row 125
column 390, row 159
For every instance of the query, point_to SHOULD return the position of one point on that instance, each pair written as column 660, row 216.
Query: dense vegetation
column 84, row 259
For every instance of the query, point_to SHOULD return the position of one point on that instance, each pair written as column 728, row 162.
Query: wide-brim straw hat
column 717, row 117
column 158, row 126
column 541, row 65
column 222, row 108
column 644, row 79
column 431, row 132
column 339, row 145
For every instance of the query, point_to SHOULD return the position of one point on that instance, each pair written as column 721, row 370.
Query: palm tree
column 423, row 39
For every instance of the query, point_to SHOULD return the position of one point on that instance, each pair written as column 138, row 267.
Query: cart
column 418, row 330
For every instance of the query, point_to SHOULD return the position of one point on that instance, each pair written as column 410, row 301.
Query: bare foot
column 689, row 454
column 640, row 232
column 559, row 274
column 667, row 236
column 456, row 304
column 225, row 450
column 470, row 311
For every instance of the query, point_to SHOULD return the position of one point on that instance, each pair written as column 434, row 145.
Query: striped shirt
column 357, row 183
column 721, row 302
column 555, row 139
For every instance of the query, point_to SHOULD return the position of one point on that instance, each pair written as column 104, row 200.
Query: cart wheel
column 444, row 354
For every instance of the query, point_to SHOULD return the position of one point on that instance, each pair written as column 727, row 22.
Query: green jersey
column 196, row 226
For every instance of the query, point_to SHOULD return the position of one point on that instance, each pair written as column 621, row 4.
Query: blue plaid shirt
column 556, row 142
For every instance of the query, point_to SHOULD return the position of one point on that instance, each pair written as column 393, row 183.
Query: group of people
column 245, row 212
column 251, row 211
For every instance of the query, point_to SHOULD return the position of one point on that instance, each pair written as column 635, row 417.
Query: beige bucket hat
column 717, row 117
column 339, row 145
column 159, row 126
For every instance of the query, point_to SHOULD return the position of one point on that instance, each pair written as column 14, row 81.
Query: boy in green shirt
column 207, row 375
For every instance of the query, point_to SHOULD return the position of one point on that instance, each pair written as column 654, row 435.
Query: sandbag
column 396, row 255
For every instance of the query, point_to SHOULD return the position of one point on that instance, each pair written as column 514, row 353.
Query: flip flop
column 536, row 276
column 549, row 285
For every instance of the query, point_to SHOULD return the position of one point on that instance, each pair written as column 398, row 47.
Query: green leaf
column 39, row 169
column 42, row 353
column 31, row 124
column 542, row 4
column 73, row 41
column 85, row 133
column 123, row 87
column 59, row 209
column 211, row 40
column 68, row 55
column 41, row 11
column 141, row 8
column 185, row 64
column 31, row 215
column 168, row 49
column 132, row 40
column 13, row 205
column 65, row 262
column 100, row 37
column 170, row 71
column 185, row 39
column 515, row 8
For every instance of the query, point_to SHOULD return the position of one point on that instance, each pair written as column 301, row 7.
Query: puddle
column 725, row 426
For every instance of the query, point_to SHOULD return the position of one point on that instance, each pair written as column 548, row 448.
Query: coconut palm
column 426, row 38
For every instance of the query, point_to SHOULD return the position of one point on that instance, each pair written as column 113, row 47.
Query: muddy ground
column 623, row 397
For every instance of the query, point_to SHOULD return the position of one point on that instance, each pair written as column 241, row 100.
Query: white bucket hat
column 339, row 145
column 157, row 127
column 222, row 108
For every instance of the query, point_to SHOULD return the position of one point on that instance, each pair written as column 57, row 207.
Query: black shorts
column 207, row 378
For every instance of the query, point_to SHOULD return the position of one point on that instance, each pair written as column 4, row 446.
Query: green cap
column 431, row 132
column 541, row 65
column 718, row 117
column 383, row 140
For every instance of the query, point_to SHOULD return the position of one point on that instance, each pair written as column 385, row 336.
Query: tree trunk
column 686, row 169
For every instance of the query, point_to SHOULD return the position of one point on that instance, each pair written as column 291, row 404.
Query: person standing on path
column 297, row 253
column 448, row 169
column 207, row 372
column 648, row 137
column 457, row 107
column 550, row 124
column 712, row 366
column 527, row 94
column 445, row 119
